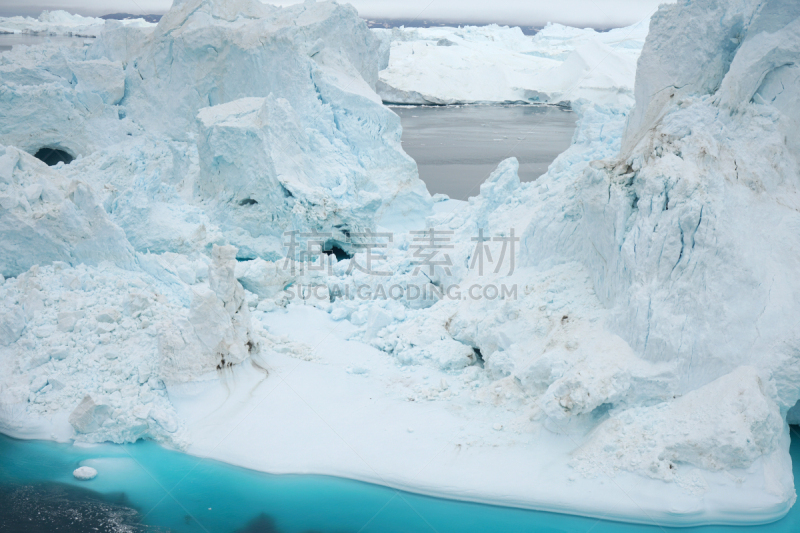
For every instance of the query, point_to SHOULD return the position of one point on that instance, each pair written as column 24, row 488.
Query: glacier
column 648, row 360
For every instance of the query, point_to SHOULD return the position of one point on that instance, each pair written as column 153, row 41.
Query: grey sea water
column 457, row 147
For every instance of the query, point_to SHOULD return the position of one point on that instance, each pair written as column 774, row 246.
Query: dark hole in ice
column 286, row 192
column 248, row 201
column 478, row 357
column 335, row 250
column 54, row 156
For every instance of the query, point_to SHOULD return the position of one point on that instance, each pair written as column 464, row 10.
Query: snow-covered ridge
column 495, row 64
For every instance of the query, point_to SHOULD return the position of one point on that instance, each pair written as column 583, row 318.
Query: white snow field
column 641, row 368
column 498, row 64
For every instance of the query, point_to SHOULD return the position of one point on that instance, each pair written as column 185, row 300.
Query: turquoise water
column 171, row 491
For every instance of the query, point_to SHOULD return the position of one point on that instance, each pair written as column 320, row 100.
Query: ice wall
column 53, row 97
column 707, row 195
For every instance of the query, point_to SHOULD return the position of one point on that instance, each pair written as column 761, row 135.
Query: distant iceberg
column 62, row 23
column 497, row 64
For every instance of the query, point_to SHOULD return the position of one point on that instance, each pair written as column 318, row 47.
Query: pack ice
column 648, row 362
column 498, row 64
column 61, row 23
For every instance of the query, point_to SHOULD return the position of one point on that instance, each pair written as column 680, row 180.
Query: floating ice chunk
column 85, row 473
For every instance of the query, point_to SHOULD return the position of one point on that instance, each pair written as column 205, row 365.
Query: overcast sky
column 595, row 13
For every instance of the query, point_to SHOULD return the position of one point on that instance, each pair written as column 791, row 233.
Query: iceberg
column 497, row 64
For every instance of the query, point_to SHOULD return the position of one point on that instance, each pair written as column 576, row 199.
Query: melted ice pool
column 143, row 487
column 457, row 147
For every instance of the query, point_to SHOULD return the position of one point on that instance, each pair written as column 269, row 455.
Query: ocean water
column 457, row 147
column 144, row 487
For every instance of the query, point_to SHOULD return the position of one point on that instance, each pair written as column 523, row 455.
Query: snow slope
column 645, row 361
column 500, row 64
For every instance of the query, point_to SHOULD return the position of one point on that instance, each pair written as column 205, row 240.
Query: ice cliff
column 45, row 217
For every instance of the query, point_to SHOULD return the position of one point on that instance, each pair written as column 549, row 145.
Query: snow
column 642, row 354
column 493, row 64
column 85, row 473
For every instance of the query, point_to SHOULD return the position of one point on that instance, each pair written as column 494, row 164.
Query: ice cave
column 53, row 156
